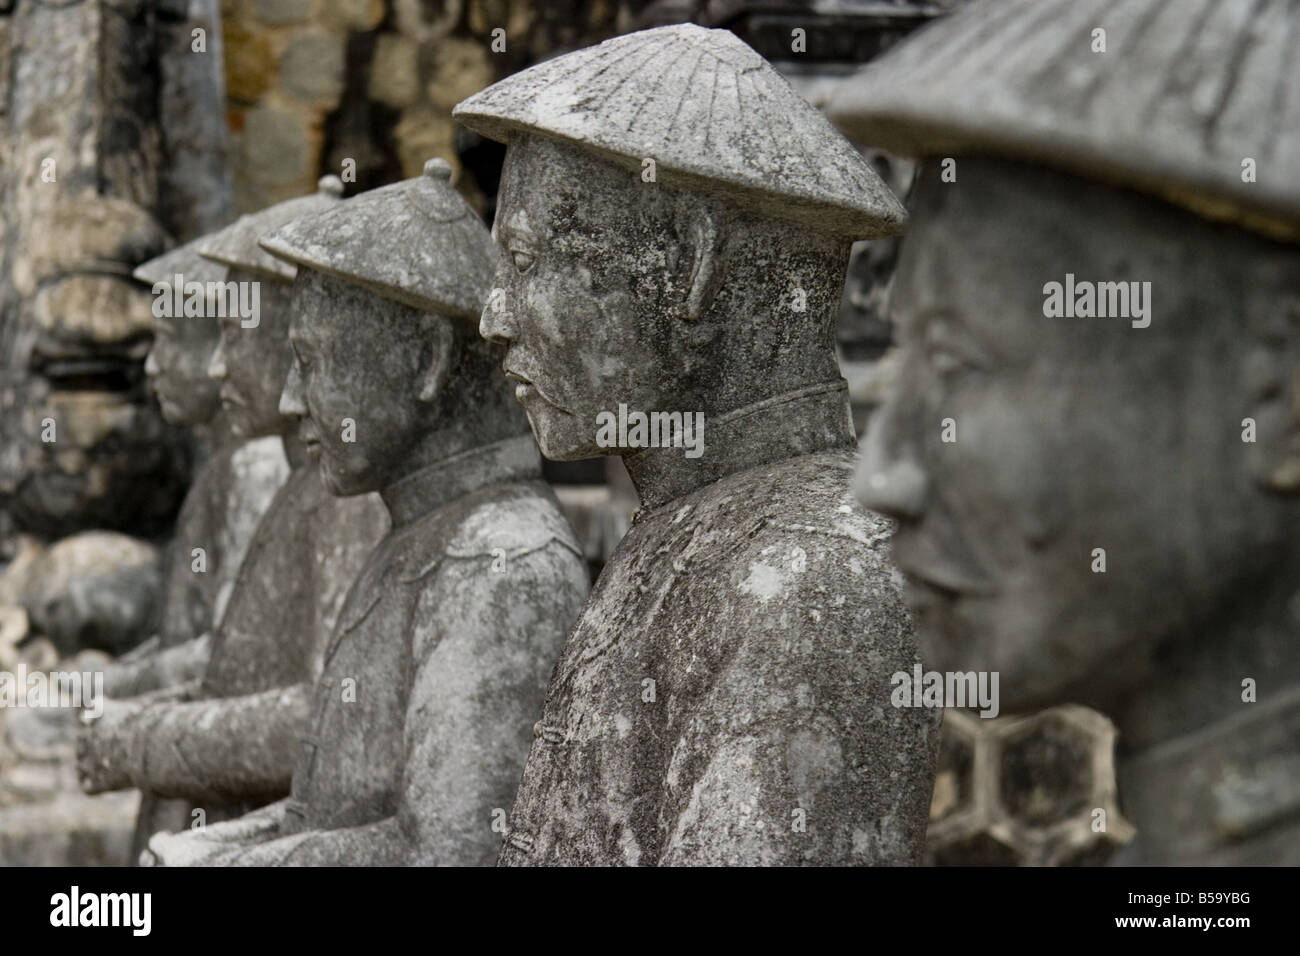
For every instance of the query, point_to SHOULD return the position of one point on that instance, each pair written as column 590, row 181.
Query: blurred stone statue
column 673, row 226
column 112, row 138
column 1093, row 448
column 229, row 744
column 233, row 484
column 438, row 663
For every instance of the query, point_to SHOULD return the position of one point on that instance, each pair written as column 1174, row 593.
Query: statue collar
column 426, row 490
column 806, row 421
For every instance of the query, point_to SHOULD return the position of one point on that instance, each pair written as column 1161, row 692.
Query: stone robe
column 232, row 748
column 230, row 493
column 725, row 696
column 435, row 673
column 227, row 499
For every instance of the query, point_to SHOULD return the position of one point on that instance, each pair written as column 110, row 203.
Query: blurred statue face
column 357, row 378
column 251, row 364
column 1020, row 451
column 177, row 367
column 588, row 293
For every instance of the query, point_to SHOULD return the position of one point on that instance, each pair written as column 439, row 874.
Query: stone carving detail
column 700, row 712
column 1115, row 250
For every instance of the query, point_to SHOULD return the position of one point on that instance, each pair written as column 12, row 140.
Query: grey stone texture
column 1037, row 790
column 724, row 696
column 131, row 125
column 435, row 669
column 1084, row 433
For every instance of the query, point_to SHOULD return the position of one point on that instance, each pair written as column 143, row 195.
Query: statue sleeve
column 167, row 667
column 795, row 756
column 221, row 748
column 484, row 643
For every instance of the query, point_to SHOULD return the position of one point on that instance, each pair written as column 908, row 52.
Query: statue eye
column 523, row 260
column 949, row 350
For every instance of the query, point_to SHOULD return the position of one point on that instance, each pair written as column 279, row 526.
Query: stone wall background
column 312, row 83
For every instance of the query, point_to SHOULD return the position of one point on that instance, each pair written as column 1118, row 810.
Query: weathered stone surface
column 1077, row 438
column 311, row 66
column 688, row 115
column 250, row 64
column 95, row 590
column 460, row 69
column 1027, row 791
column 451, row 276
column 1001, row 80
column 277, row 12
column 71, row 829
column 275, row 145
column 724, row 696
column 232, row 748
column 237, row 246
column 92, row 89
column 435, row 670
column 356, row 14
column 394, row 70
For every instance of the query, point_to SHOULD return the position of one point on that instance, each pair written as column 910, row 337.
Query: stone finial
column 417, row 242
column 1170, row 97
column 712, row 114
column 236, row 245
column 438, row 169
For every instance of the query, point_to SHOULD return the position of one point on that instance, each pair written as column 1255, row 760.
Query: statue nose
column 888, row 483
column 496, row 325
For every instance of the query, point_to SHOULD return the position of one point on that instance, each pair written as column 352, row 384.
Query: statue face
column 251, row 364
column 79, row 433
column 177, row 366
column 1069, row 436
column 358, row 370
column 587, row 293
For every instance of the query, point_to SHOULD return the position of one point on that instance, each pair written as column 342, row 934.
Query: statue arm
column 207, row 749
column 162, row 668
column 486, row 641
column 807, row 762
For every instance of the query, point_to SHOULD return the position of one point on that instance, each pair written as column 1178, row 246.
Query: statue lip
column 524, row 384
column 937, row 576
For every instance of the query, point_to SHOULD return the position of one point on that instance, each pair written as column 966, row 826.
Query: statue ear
column 441, row 349
column 705, row 236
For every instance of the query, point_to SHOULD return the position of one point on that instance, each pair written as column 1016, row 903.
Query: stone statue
column 438, row 664
column 112, row 138
column 233, row 484
column 673, row 227
column 1092, row 448
column 229, row 744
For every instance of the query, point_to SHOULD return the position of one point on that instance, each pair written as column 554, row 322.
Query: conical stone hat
column 416, row 241
column 1186, row 91
column 713, row 115
column 183, row 260
column 236, row 245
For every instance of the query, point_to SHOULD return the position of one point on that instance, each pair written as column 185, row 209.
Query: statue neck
column 805, row 421
column 440, row 482
column 1201, row 766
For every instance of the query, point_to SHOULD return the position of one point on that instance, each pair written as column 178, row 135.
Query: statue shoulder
column 508, row 521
